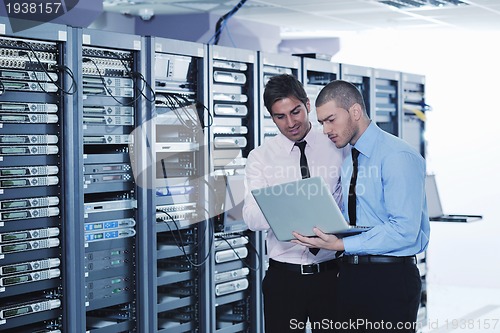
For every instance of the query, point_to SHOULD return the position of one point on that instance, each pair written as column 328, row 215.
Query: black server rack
column 413, row 128
column 235, row 280
column 271, row 64
column 110, row 214
column 317, row 73
column 414, row 109
column 35, row 94
column 178, row 233
column 388, row 103
column 422, row 309
column 362, row 78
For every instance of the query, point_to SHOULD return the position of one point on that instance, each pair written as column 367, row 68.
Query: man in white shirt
column 299, row 285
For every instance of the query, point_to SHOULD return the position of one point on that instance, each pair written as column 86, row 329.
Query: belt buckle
column 355, row 259
column 311, row 272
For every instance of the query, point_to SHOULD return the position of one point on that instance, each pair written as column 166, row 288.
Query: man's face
column 337, row 123
column 292, row 117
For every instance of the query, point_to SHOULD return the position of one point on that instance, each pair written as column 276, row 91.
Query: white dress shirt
column 277, row 161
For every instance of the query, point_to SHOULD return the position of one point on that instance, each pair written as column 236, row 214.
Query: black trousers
column 378, row 297
column 290, row 299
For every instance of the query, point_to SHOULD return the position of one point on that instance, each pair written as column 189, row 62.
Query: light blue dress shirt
column 390, row 193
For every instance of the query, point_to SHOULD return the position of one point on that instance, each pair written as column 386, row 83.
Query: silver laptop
column 300, row 206
column 435, row 209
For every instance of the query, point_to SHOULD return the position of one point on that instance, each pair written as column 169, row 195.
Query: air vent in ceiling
column 407, row 4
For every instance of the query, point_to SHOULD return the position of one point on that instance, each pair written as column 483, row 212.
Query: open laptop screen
column 433, row 201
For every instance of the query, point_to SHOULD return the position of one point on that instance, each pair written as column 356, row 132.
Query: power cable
column 219, row 25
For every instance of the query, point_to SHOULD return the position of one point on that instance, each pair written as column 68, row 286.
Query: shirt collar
column 367, row 141
column 289, row 144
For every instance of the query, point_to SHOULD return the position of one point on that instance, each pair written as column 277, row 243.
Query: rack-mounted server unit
column 112, row 90
column 235, row 280
column 178, row 231
column 388, row 103
column 362, row 78
column 271, row 64
column 232, row 83
column 414, row 110
column 412, row 131
column 317, row 73
column 34, row 92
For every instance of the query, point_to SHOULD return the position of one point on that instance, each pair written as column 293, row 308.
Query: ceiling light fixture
column 410, row 4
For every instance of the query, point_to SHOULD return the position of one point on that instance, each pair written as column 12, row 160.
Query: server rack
column 389, row 90
column 362, row 78
column 235, row 279
column 35, row 112
column 271, row 64
column 414, row 109
column 316, row 74
column 413, row 128
column 110, row 213
column 388, row 104
column 178, row 231
column 422, row 309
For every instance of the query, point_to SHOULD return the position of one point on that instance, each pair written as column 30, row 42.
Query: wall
column 114, row 22
column 462, row 132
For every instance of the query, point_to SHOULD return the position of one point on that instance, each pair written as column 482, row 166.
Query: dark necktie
column 352, row 187
column 304, row 168
column 304, row 171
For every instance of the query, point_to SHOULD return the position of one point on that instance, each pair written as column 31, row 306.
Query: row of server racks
column 122, row 177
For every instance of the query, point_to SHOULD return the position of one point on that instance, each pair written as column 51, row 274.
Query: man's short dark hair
column 345, row 95
column 282, row 86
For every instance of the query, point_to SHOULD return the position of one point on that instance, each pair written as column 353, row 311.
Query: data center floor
column 462, row 309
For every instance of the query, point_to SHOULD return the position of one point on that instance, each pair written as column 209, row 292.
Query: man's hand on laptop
column 323, row 241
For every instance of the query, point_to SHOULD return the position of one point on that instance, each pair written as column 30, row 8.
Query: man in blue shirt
column 379, row 284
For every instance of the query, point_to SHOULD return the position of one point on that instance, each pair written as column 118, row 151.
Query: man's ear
column 356, row 111
column 308, row 105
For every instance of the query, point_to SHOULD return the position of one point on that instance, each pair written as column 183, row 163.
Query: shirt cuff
column 352, row 244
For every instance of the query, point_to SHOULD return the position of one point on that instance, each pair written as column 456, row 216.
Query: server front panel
column 180, row 152
column 388, row 102
column 32, row 90
column 362, row 78
column 111, row 89
column 414, row 110
column 235, row 277
column 316, row 74
column 271, row 65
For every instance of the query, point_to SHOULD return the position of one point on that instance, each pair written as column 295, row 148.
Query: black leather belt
column 375, row 259
column 305, row 269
